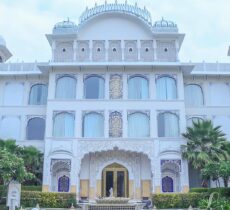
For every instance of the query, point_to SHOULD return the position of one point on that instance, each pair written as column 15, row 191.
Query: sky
column 206, row 24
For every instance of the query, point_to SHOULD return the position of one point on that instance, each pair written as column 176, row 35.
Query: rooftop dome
column 65, row 27
column 2, row 41
column 165, row 26
column 134, row 10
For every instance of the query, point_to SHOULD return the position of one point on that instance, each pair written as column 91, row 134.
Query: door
column 115, row 176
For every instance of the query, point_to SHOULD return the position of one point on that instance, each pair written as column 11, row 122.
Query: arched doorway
column 115, row 176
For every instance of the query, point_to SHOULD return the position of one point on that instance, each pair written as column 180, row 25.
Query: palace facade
column 109, row 108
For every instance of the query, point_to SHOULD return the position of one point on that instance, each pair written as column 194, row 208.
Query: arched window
column 93, row 125
column 63, row 125
column 36, row 129
column 167, row 184
column 138, row 88
column 193, row 95
column 38, row 94
column 13, row 95
column 1, row 60
column 63, row 184
column 191, row 120
column 219, row 94
column 138, row 125
column 94, row 87
column 168, row 125
column 66, row 88
column 166, row 88
column 170, row 175
column 10, row 128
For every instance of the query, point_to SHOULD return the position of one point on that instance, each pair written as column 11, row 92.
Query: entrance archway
column 115, row 176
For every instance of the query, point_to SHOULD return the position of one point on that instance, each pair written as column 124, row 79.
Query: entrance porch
column 128, row 174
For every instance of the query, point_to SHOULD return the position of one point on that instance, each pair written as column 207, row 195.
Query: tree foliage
column 208, row 150
column 18, row 162
column 205, row 143
column 12, row 168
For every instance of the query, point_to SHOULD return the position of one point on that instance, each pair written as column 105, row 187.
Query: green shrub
column 215, row 201
column 223, row 191
column 177, row 200
column 47, row 199
column 31, row 188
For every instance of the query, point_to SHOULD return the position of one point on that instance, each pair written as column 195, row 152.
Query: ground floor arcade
column 129, row 174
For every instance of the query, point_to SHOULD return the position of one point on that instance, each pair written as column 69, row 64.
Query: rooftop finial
column 105, row 2
column 126, row 2
column 95, row 4
column 135, row 4
column 115, row 1
column 67, row 19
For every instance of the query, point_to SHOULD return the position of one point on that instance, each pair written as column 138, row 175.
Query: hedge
column 47, row 199
column 177, row 200
column 3, row 191
column 224, row 191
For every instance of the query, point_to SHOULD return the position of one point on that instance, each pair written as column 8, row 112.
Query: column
column 74, row 50
column 177, row 50
column 106, row 123
column 125, row 85
column 106, row 50
column 155, row 49
column 184, row 176
column 122, row 50
column 90, row 50
column 53, row 50
column 46, row 182
column 157, row 167
column 80, row 86
column 138, row 50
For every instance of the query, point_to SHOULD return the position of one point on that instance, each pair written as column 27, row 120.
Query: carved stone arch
column 127, row 166
column 159, row 76
column 144, row 76
column 59, row 151
column 169, row 151
column 60, row 164
column 86, row 147
column 59, row 76
column 87, row 76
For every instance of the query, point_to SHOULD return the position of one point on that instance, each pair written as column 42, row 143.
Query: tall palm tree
column 205, row 143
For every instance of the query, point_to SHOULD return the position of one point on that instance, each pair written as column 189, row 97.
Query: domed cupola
column 165, row 26
column 5, row 54
column 65, row 27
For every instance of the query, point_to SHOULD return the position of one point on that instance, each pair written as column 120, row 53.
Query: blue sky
column 206, row 23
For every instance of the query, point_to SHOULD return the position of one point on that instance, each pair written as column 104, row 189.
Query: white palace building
column 109, row 108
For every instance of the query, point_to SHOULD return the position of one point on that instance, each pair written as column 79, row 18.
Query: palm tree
column 205, row 144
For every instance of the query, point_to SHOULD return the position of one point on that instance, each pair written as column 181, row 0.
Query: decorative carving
column 166, row 51
column 115, row 124
column 115, row 86
column 167, row 164
column 147, row 51
column 83, row 50
column 98, row 50
column 60, row 164
column 114, row 50
column 131, row 53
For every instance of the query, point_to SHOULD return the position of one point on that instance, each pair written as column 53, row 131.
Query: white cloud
column 24, row 24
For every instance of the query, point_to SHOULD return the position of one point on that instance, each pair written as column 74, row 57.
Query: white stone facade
column 132, row 112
